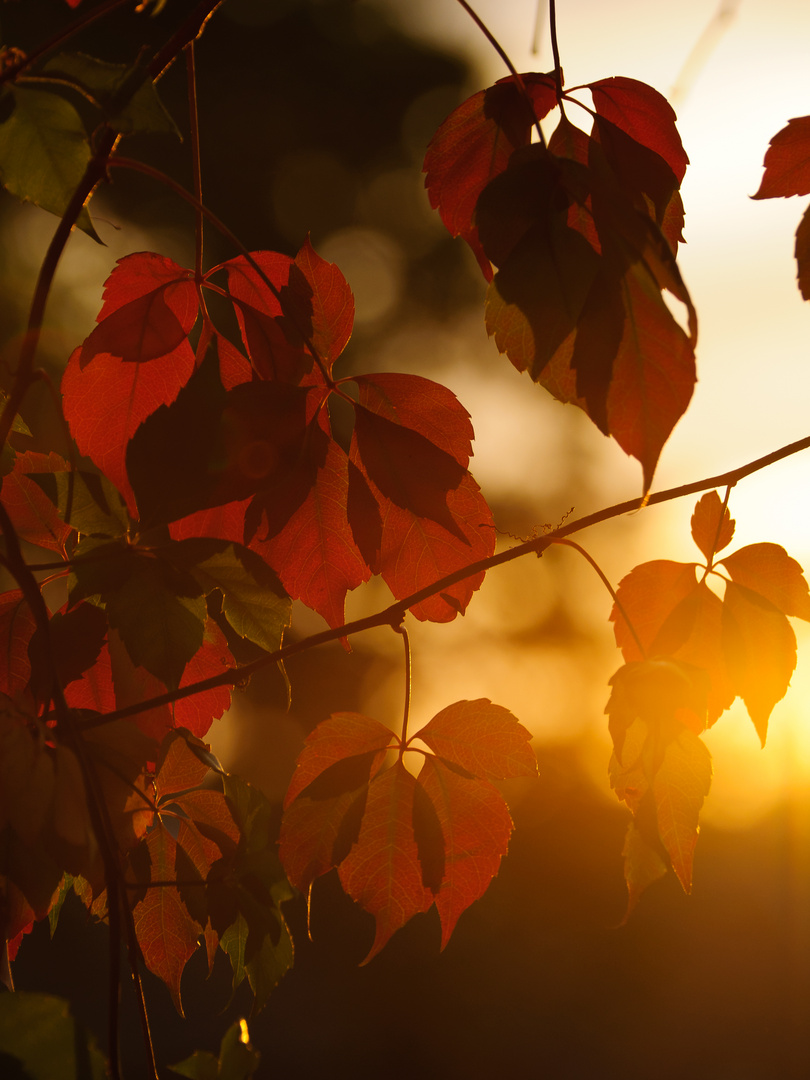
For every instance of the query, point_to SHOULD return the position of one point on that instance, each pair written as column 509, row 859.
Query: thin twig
column 393, row 615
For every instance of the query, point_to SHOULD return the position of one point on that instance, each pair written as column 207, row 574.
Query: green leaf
column 157, row 608
column 160, row 628
column 88, row 502
column 144, row 112
column 237, row 1059
column 42, row 1039
column 44, row 152
column 257, row 942
column 254, row 602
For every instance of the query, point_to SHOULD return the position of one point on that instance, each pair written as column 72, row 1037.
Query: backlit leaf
column 42, row 1041
column 644, row 114
column 475, row 826
column 760, row 649
column 107, row 401
column 316, row 553
column 767, row 569
column 712, row 525
column 474, row 144
column 44, row 152
column 483, row 738
column 144, row 112
column 382, row 872
column 34, row 515
column 150, row 305
column 787, row 162
column 679, row 787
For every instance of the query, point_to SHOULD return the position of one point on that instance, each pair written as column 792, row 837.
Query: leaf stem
column 394, row 613
column 555, row 52
column 603, row 578
column 504, row 56
column 194, row 126
column 403, row 739
column 178, row 189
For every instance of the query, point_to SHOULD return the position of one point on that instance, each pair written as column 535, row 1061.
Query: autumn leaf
column 787, row 162
column 475, row 829
column 712, row 525
column 36, row 518
column 474, row 144
column 401, row 844
column 482, row 738
column 316, row 553
column 150, row 305
column 312, row 307
column 643, row 114
column 107, row 401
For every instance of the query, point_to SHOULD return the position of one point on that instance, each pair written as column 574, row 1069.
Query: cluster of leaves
column 583, row 231
column 689, row 654
column 205, row 488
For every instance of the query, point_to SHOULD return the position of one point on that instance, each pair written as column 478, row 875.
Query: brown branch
column 395, row 613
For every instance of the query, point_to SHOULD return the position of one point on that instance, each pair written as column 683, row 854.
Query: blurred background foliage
column 315, row 115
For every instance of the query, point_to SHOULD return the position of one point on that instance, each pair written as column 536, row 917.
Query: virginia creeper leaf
column 474, row 144
column 475, row 827
column 237, row 1060
column 150, row 305
column 421, row 405
column 44, row 152
column 34, row 515
column 316, row 553
column 767, row 569
column 253, row 600
column 643, row 866
column 802, row 252
column 85, row 501
column 760, row 649
column 712, row 525
column 644, row 114
column 42, row 1041
column 143, row 112
column 105, row 403
column 679, row 788
column 787, row 162
column 342, row 736
column 166, row 932
column 483, row 738
column 382, row 872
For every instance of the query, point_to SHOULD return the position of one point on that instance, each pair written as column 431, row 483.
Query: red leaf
column 712, row 525
column 653, row 374
column 423, row 406
column 415, row 551
column 166, row 933
column 485, row 739
column 342, row 736
column 475, row 826
column 105, row 403
column 767, row 569
column 316, row 556
column 787, row 162
column 474, row 144
column 760, row 649
column 647, row 595
column 679, row 787
column 383, row 872
column 34, row 515
column 150, row 305
column 17, row 627
column 331, row 301
column 802, row 252
column 643, row 114
column 315, row 307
